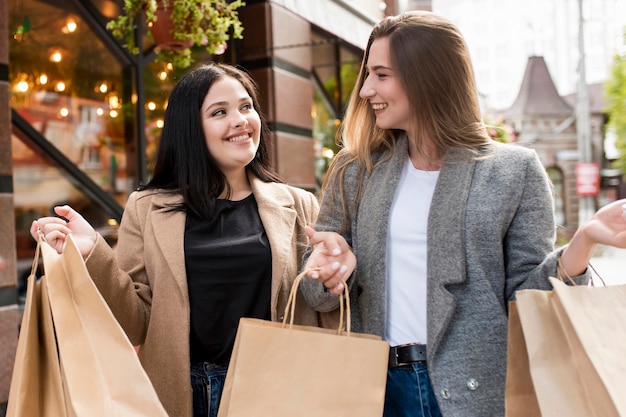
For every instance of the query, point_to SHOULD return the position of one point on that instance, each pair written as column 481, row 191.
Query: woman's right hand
column 56, row 229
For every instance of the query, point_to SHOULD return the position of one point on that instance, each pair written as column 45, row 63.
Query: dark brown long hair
column 183, row 162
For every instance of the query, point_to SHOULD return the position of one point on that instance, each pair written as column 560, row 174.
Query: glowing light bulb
column 56, row 57
column 22, row 86
column 114, row 101
column 70, row 26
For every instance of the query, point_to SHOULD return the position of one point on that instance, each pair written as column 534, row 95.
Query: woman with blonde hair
column 443, row 223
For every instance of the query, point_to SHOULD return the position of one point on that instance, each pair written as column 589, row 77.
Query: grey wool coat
column 145, row 281
column 490, row 232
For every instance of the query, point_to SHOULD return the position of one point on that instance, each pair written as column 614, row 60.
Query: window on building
column 335, row 69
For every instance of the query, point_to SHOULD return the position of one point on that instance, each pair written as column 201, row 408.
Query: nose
column 239, row 120
column 366, row 91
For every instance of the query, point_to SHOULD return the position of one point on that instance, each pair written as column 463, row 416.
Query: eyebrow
column 225, row 103
column 380, row 67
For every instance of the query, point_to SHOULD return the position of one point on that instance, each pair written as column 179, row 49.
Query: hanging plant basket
column 164, row 32
column 177, row 25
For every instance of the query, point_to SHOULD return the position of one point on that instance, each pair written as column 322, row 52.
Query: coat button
column 472, row 384
column 445, row 393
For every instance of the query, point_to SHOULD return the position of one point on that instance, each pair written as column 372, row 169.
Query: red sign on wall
column 587, row 179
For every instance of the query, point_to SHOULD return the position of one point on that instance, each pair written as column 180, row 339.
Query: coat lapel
column 169, row 233
column 446, row 240
column 276, row 208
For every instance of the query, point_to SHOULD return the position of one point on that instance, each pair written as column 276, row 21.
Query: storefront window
column 335, row 70
column 69, row 88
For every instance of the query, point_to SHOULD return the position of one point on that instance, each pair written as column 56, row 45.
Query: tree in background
column 615, row 98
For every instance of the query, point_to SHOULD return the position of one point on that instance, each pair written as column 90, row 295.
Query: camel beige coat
column 145, row 284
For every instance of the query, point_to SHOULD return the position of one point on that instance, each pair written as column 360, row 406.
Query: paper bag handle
column 33, row 268
column 290, row 308
column 560, row 272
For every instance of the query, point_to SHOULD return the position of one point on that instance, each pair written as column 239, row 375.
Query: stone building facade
column 546, row 122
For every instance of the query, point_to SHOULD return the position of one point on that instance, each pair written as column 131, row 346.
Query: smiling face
column 383, row 89
column 232, row 127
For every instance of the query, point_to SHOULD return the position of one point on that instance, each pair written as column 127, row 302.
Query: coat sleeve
column 120, row 275
column 337, row 209
column 529, row 241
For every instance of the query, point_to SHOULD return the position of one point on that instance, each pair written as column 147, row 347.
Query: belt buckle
column 393, row 358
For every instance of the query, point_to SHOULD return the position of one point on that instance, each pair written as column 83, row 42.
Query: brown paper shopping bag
column 566, row 352
column 282, row 369
column 100, row 373
column 36, row 386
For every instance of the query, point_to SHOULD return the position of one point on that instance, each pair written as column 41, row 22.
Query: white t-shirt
column 406, row 256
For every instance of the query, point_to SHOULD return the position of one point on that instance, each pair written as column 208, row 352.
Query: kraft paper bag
column 282, row 369
column 100, row 373
column 36, row 386
column 574, row 338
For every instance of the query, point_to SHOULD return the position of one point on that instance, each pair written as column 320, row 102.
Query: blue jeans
column 207, row 383
column 409, row 393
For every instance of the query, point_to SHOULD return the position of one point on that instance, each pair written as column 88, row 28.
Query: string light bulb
column 56, row 56
column 70, row 25
column 22, row 86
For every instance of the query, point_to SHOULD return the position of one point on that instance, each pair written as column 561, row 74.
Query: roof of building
column 538, row 94
column 596, row 98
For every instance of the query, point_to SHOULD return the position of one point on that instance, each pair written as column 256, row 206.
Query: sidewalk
column 610, row 263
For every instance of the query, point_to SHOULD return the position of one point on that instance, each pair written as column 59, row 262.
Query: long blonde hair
column 433, row 64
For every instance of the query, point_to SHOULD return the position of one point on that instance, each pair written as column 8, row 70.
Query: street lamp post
column 586, row 206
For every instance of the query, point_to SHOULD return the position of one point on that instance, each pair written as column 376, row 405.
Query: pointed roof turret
column 538, row 95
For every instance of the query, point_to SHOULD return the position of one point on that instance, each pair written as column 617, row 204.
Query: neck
column 425, row 157
column 239, row 185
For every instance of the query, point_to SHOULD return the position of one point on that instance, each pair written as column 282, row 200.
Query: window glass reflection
column 68, row 86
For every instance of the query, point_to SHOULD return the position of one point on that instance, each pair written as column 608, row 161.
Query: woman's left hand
column 608, row 225
column 331, row 262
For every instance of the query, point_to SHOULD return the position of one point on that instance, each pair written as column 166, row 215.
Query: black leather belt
column 406, row 355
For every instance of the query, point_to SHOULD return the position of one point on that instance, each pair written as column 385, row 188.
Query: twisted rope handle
column 290, row 308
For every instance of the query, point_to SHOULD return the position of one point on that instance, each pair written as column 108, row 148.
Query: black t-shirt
column 229, row 274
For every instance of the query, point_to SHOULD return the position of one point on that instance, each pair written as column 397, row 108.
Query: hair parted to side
column 183, row 163
column 432, row 61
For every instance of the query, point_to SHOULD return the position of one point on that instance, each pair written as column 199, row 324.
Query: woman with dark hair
column 443, row 223
column 214, row 236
